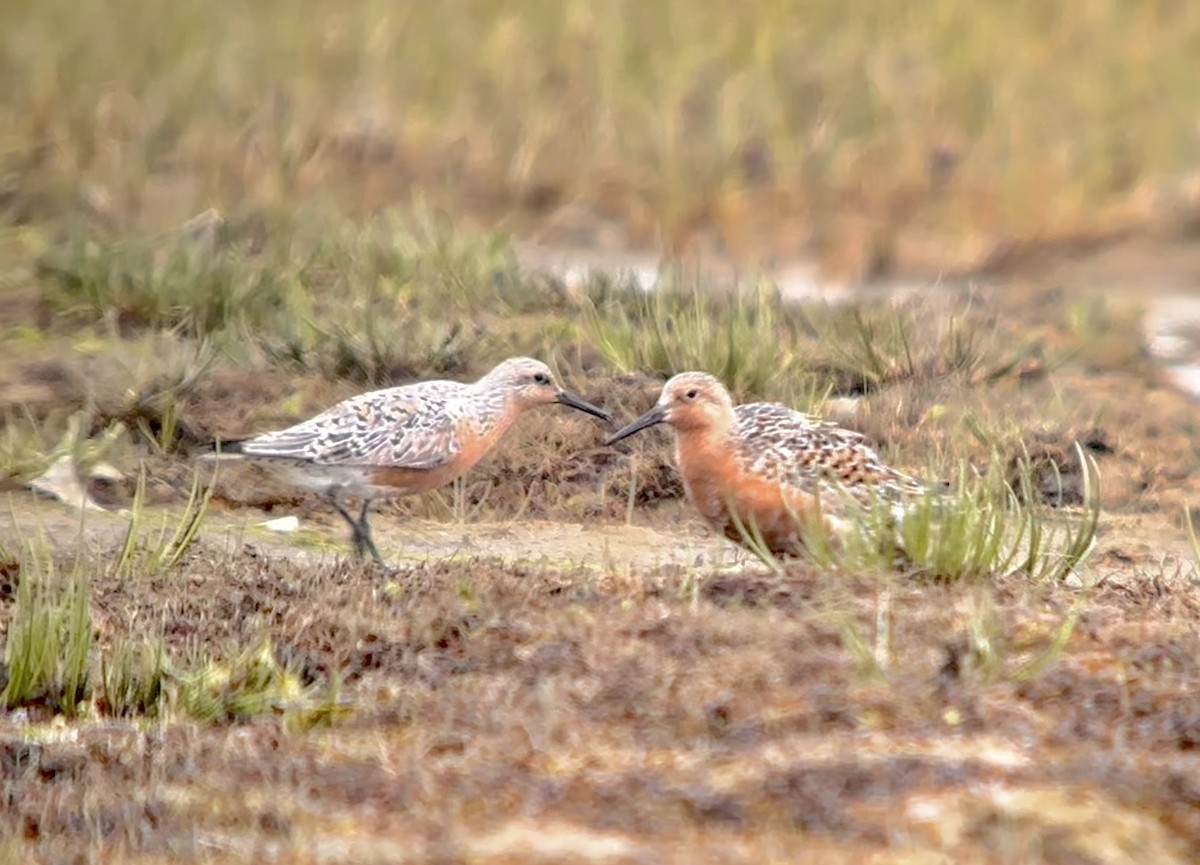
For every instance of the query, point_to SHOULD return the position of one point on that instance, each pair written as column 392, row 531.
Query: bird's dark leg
column 360, row 531
column 363, row 534
column 356, row 537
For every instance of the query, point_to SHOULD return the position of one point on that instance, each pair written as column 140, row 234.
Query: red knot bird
column 405, row 440
column 764, row 466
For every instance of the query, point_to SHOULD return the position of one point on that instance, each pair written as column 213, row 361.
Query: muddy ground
column 552, row 675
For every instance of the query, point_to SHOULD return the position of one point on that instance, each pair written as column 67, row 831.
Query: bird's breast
column 710, row 475
column 734, row 500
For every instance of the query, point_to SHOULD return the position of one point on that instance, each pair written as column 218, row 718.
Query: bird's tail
column 222, row 451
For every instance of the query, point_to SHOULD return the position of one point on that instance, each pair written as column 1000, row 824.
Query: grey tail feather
column 220, row 449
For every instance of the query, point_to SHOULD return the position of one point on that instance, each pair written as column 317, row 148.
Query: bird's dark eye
column 541, row 378
column 691, row 394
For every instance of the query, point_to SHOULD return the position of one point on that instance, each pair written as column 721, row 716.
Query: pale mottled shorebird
column 404, row 440
column 762, row 466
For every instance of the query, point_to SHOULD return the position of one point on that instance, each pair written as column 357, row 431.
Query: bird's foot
column 364, row 545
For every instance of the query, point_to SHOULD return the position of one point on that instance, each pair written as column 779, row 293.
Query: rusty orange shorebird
column 404, row 440
column 763, row 467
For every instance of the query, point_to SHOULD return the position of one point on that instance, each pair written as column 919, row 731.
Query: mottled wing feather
column 797, row 449
column 412, row 427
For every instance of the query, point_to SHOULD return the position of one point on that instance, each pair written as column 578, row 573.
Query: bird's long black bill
column 583, row 406
column 656, row 415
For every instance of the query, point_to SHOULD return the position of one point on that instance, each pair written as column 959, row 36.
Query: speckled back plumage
column 789, row 447
column 417, row 426
column 414, row 426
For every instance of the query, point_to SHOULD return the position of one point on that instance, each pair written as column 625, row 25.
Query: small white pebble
column 283, row 524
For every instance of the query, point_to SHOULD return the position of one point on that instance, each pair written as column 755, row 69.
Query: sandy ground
column 323, row 537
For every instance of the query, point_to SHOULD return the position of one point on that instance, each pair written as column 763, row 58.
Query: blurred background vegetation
column 869, row 133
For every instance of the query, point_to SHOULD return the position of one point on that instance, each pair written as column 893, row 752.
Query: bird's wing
column 413, row 427
column 803, row 451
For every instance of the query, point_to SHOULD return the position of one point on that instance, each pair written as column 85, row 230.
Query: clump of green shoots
column 171, row 281
column 27, row 442
column 392, row 298
column 250, row 684
column 985, row 527
column 864, row 346
column 979, row 530
column 131, row 679
column 157, row 374
column 748, row 338
column 54, row 660
column 140, row 679
column 162, row 548
column 48, row 649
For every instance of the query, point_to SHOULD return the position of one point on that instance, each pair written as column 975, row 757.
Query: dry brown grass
column 503, row 713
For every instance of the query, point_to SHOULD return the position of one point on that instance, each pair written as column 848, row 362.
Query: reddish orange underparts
column 733, row 501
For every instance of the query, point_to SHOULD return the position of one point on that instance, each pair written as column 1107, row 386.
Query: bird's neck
column 707, row 465
column 697, row 448
column 494, row 413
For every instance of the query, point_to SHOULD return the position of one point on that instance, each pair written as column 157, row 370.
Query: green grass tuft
column 162, row 283
column 54, row 661
column 132, row 676
column 145, row 552
column 981, row 530
column 48, row 648
column 748, row 339
column 250, row 684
